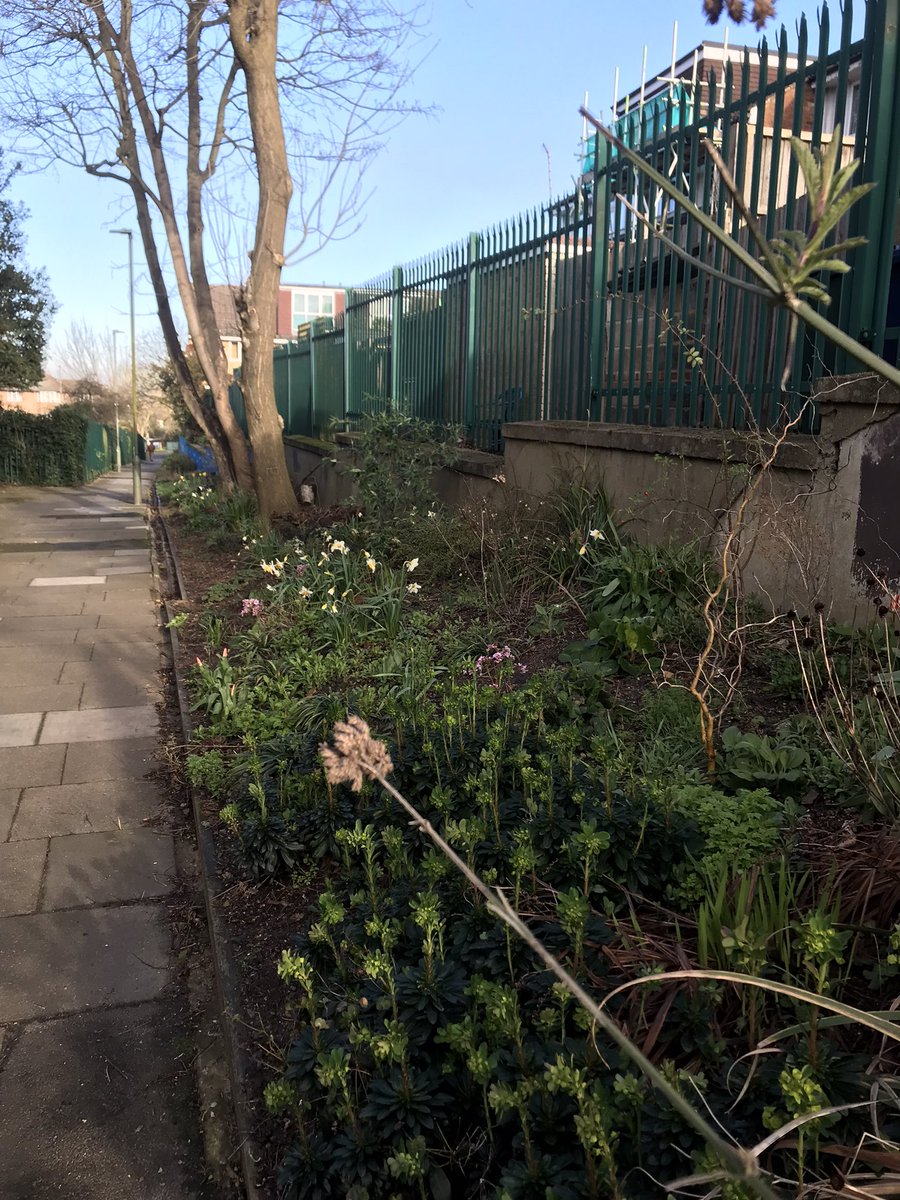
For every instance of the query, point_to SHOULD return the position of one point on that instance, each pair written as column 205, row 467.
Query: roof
column 222, row 296
column 699, row 60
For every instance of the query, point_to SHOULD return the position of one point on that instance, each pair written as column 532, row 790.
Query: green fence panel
column 583, row 310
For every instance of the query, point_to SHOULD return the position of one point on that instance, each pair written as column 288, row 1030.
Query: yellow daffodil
column 305, row 593
column 413, row 588
column 339, row 547
column 583, row 550
column 334, row 608
column 411, row 564
column 597, row 535
column 371, row 563
column 331, row 591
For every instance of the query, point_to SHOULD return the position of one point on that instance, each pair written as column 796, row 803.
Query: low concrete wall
column 821, row 527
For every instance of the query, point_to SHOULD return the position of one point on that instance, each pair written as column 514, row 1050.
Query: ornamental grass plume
column 355, row 755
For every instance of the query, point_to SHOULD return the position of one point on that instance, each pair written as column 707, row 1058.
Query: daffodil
column 371, row 563
column 331, row 591
column 411, row 564
column 339, row 547
column 597, row 535
column 305, row 593
column 414, row 588
column 431, row 514
column 583, row 550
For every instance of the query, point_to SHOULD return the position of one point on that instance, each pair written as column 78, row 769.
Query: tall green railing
column 581, row 310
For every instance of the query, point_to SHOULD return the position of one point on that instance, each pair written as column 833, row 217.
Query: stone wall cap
column 801, row 451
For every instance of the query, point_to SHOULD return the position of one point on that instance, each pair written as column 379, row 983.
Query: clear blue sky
column 506, row 78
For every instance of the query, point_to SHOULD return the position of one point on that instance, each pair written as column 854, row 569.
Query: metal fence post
column 396, row 335
column 311, row 424
column 601, row 199
column 348, row 354
column 472, row 290
column 875, row 214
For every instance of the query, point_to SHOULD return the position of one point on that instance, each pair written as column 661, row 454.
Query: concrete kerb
column 225, row 968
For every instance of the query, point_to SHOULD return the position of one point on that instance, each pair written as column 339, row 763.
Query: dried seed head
column 354, row 755
column 819, row 606
column 763, row 10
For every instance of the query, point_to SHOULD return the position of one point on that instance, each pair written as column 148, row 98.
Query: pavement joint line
column 42, row 886
column 15, row 814
column 19, row 1026
column 96, row 905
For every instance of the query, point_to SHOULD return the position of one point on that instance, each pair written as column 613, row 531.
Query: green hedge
column 61, row 449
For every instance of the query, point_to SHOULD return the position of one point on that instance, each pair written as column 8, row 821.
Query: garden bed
column 530, row 681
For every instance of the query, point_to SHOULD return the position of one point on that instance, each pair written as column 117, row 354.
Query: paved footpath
column 95, row 1075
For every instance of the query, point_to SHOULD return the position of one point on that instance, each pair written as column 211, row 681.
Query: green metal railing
column 582, row 310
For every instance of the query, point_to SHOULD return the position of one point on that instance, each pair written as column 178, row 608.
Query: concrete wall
column 823, row 526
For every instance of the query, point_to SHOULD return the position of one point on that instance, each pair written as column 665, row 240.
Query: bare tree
column 182, row 102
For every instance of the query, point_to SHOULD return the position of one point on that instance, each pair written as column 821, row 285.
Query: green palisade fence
column 579, row 311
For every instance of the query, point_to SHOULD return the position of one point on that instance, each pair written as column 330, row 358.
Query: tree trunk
column 254, row 37
column 207, row 420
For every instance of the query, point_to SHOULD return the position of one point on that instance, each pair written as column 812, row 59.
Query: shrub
column 738, row 832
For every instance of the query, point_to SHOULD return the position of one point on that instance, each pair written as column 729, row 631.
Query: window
column 308, row 306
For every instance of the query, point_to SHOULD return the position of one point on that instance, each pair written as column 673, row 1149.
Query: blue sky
column 505, row 78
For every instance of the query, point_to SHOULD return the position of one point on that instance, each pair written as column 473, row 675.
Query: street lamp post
column 115, row 334
column 135, row 460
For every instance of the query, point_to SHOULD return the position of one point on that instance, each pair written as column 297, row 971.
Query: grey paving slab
column 94, row 1107
column 85, row 808
column 119, row 604
column 9, row 802
column 98, row 724
column 51, row 652
column 40, row 637
column 113, row 693
column 128, row 553
column 40, row 699
column 137, row 569
column 39, row 624
column 121, row 583
column 30, row 766
column 69, row 581
column 104, row 868
column 22, row 603
column 129, row 621
column 21, row 869
column 134, row 672
column 117, row 636
column 144, row 657
column 24, row 674
column 130, row 758
column 19, row 729
column 63, row 962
